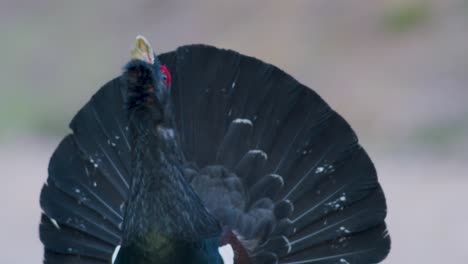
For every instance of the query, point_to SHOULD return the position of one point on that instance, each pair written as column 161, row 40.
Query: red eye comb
column 166, row 72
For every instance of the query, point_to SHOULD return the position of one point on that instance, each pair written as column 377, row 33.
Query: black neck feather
column 161, row 200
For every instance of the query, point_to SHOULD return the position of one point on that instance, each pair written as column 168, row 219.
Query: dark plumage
column 179, row 228
column 234, row 152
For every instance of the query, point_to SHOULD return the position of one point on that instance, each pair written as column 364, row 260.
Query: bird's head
column 144, row 52
column 148, row 82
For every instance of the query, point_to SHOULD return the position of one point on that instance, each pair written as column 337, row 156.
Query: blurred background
column 397, row 70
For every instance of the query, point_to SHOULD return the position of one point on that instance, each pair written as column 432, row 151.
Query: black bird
column 203, row 147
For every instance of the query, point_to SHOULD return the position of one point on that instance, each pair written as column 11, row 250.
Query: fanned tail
column 274, row 162
column 83, row 198
column 269, row 158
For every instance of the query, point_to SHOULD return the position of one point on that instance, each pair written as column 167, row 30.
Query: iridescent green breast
column 160, row 249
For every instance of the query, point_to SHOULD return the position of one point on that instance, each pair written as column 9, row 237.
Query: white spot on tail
column 258, row 151
column 116, row 251
column 289, row 202
column 242, row 121
column 288, row 244
column 276, row 176
column 345, row 230
column 227, row 254
column 167, row 133
column 55, row 223
column 319, row 170
column 344, row 261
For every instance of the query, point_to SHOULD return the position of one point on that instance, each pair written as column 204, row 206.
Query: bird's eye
column 166, row 75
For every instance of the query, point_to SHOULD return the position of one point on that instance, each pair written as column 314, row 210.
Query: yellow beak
column 143, row 50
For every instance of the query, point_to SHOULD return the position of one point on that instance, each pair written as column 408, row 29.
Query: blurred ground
column 396, row 70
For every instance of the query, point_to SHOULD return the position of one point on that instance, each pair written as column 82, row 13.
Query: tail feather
column 251, row 166
column 364, row 247
column 334, row 192
column 298, row 155
column 66, row 240
column 68, row 211
column 83, row 198
column 54, row 258
column 231, row 149
column 349, row 219
column 73, row 174
column 100, row 131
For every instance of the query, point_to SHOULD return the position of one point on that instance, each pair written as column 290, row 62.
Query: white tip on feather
column 288, row 244
column 276, row 176
column 242, row 121
column 289, row 202
column 227, row 254
column 116, row 251
column 258, row 151
column 54, row 223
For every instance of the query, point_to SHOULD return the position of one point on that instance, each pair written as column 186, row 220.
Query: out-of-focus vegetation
column 442, row 137
column 406, row 17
